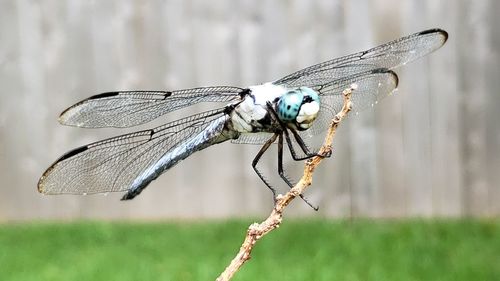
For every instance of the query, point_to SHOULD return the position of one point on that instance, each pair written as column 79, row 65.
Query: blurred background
column 411, row 192
column 429, row 151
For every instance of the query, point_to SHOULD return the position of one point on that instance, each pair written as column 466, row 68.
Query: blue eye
column 289, row 105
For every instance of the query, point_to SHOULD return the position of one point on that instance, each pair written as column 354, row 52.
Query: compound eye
column 289, row 106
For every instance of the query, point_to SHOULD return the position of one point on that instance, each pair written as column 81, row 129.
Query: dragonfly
column 288, row 110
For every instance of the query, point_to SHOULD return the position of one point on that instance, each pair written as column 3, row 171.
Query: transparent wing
column 373, row 86
column 252, row 138
column 130, row 108
column 112, row 165
column 370, row 69
column 389, row 55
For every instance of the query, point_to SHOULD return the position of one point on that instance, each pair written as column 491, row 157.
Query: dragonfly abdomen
column 215, row 132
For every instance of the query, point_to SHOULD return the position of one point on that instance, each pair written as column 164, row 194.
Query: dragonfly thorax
column 299, row 107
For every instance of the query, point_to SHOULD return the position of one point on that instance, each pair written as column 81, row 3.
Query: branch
column 256, row 231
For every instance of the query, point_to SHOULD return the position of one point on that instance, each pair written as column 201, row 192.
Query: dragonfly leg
column 305, row 149
column 256, row 160
column 285, row 178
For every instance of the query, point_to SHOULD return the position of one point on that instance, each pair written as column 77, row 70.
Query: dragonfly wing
column 113, row 164
column 252, row 138
column 131, row 108
column 370, row 69
column 371, row 87
column 389, row 55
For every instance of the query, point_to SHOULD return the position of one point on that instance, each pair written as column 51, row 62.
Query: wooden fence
column 431, row 150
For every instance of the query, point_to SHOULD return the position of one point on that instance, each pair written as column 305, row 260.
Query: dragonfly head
column 299, row 107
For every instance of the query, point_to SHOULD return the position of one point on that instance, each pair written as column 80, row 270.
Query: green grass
column 298, row 250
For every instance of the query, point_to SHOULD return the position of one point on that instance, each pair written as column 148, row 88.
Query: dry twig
column 256, row 231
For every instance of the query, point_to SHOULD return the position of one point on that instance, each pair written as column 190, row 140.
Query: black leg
column 292, row 150
column 282, row 174
column 280, row 163
column 261, row 152
column 304, row 147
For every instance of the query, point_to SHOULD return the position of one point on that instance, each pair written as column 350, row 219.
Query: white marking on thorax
column 267, row 92
column 254, row 106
